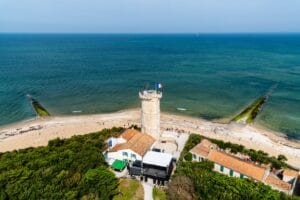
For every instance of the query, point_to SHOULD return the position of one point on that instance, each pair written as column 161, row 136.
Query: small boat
column 181, row 109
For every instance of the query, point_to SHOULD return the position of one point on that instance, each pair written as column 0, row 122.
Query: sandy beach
column 39, row 131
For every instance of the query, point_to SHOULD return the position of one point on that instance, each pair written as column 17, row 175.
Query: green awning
column 119, row 164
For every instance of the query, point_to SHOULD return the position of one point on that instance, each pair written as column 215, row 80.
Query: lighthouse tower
column 151, row 112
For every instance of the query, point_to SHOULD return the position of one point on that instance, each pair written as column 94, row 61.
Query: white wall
column 217, row 167
column 116, row 141
column 236, row 174
column 119, row 155
column 226, row 171
column 198, row 158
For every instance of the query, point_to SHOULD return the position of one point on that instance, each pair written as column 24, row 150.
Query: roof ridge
column 241, row 166
column 139, row 143
column 240, row 159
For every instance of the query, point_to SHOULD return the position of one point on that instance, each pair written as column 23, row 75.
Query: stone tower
column 151, row 112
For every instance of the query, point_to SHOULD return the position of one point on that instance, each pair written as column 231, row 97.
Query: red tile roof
column 289, row 172
column 129, row 133
column 240, row 166
column 207, row 150
column 203, row 148
column 280, row 184
column 138, row 142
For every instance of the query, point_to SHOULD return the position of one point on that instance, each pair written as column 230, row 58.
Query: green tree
column 181, row 187
column 58, row 171
column 100, row 182
column 188, row 157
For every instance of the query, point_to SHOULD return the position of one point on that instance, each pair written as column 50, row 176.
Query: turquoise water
column 212, row 76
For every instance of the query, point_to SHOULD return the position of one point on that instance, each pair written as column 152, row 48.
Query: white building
column 130, row 146
column 157, row 159
column 157, row 165
column 235, row 167
column 151, row 112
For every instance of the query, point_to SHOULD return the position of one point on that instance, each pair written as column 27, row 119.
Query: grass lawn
column 130, row 190
column 159, row 194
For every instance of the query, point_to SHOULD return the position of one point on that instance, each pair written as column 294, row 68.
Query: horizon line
column 149, row 33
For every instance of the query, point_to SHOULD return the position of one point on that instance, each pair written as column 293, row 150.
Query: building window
column 241, row 176
column 222, row 168
column 194, row 156
column 125, row 154
column 110, row 143
column 133, row 156
column 231, row 172
column 200, row 159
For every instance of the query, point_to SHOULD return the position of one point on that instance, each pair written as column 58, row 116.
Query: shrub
column 193, row 140
column 71, row 168
column 188, row 157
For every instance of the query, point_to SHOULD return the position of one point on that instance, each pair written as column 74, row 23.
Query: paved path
column 147, row 191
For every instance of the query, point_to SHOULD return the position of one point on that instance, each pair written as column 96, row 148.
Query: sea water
column 211, row 76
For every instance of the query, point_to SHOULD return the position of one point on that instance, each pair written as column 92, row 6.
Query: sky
column 149, row 16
